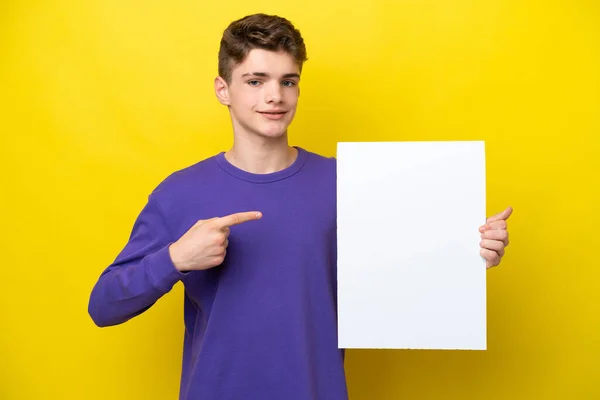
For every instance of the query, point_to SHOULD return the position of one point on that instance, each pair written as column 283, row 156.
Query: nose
column 273, row 93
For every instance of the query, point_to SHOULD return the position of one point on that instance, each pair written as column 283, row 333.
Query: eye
column 288, row 83
column 254, row 83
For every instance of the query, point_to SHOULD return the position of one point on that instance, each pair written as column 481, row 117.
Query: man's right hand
column 204, row 245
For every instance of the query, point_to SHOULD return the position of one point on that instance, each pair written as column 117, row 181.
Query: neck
column 261, row 155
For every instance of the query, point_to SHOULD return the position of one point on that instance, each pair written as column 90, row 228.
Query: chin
column 273, row 133
column 271, row 130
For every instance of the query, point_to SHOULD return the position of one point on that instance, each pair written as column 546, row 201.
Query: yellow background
column 100, row 100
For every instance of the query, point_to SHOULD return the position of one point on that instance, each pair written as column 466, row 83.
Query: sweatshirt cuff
column 162, row 271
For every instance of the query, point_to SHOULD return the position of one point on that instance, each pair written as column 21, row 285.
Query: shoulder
column 186, row 179
column 321, row 171
column 321, row 162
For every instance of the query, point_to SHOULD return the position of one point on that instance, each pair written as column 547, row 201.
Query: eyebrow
column 266, row 75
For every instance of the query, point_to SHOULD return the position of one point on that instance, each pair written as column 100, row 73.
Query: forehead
column 265, row 61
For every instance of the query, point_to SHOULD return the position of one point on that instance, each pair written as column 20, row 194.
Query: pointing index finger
column 238, row 218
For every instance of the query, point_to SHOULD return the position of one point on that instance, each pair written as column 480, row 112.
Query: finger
column 218, row 259
column 204, row 221
column 223, row 242
column 496, row 235
column 500, row 224
column 220, row 255
column 503, row 215
column 238, row 218
column 219, row 238
column 494, row 245
column 491, row 257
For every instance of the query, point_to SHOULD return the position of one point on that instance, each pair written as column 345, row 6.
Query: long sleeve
column 141, row 274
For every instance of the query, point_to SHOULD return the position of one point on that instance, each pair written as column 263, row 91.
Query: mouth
column 273, row 114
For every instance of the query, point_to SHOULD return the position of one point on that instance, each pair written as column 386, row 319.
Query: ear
column 222, row 91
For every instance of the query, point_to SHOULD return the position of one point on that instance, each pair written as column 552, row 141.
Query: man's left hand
column 494, row 238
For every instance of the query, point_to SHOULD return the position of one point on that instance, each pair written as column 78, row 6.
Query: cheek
column 244, row 107
column 292, row 99
column 244, row 100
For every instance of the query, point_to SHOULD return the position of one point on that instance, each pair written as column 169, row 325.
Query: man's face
column 263, row 93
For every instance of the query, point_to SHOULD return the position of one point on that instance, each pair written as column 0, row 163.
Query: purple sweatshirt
column 263, row 324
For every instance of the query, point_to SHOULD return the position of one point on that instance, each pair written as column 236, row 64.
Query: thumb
column 501, row 216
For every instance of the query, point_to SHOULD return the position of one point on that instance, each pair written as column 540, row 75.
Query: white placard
column 409, row 270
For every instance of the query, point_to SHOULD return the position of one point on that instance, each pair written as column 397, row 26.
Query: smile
column 273, row 114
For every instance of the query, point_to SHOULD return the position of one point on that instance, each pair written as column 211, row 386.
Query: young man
column 251, row 233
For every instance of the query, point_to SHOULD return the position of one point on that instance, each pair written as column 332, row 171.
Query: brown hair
column 258, row 31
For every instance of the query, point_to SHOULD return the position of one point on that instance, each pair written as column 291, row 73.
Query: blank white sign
column 409, row 270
